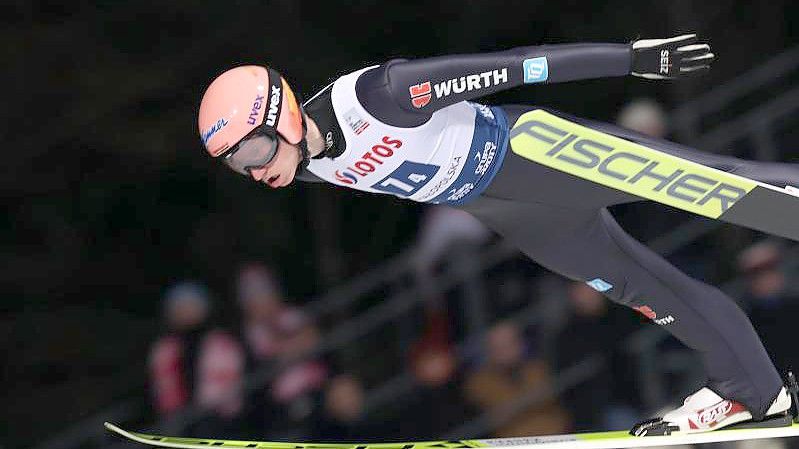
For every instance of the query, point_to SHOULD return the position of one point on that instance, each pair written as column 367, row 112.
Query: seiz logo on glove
column 669, row 58
column 664, row 62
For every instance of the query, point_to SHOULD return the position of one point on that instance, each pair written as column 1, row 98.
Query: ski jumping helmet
column 243, row 113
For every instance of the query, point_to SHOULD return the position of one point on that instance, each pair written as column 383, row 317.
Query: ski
column 636, row 169
column 594, row 440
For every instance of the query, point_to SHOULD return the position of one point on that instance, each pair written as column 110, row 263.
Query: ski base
column 594, row 440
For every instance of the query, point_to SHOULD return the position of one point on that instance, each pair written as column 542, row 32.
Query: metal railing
column 687, row 119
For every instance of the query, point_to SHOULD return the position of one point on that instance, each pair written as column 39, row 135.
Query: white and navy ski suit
column 408, row 128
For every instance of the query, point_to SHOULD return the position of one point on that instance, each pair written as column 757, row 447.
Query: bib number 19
column 407, row 179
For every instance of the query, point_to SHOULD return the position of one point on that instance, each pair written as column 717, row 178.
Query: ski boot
column 705, row 410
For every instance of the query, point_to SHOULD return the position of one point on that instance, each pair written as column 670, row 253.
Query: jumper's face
column 280, row 171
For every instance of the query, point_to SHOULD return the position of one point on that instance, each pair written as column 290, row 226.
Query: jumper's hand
column 670, row 58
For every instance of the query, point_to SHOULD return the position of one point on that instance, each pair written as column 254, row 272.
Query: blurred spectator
column 220, row 385
column 449, row 241
column 760, row 265
column 590, row 331
column 278, row 336
column 441, row 228
column 509, row 375
column 297, row 389
column 645, row 116
column 343, row 418
column 300, row 376
column 195, row 364
column 437, row 405
column 772, row 304
column 266, row 319
column 172, row 356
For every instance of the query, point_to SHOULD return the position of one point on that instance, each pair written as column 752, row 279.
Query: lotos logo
column 213, row 129
column 369, row 161
column 420, row 94
column 274, row 104
column 346, row 178
column 256, row 110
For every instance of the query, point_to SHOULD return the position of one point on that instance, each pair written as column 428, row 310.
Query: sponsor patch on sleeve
column 599, row 285
column 536, row 70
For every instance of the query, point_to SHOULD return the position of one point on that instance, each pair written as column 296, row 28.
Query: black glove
column 670, row 58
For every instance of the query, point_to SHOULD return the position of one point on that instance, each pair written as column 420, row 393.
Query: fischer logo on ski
column 627, row 166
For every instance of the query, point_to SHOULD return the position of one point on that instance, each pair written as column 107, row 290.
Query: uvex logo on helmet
column 255, row 111
column 274, row 101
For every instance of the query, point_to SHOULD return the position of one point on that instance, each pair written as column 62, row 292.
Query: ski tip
column 112, row 427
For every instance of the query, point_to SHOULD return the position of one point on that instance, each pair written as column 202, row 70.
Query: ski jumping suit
column 407, row 128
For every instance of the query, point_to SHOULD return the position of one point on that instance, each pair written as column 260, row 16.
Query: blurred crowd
column 496, row 374
column 512, row 374
column 208, row 367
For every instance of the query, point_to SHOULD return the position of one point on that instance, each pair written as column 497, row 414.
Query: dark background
column 108, row 195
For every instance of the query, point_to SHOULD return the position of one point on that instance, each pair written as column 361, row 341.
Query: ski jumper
column 408, row 128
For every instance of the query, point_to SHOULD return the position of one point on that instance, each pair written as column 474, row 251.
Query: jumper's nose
column 258, row 173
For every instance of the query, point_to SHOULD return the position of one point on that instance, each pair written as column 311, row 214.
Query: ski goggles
column 253, row 151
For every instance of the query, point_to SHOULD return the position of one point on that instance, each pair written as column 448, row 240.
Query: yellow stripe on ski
column 593, row 440
column 623, row 165
column 187, row 443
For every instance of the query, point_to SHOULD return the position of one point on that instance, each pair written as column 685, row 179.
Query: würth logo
column 420, row 94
